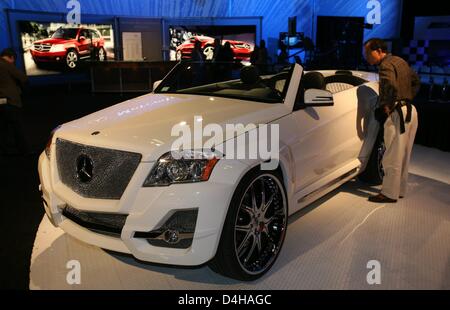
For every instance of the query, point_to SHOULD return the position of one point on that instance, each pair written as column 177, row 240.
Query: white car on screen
column 111, row 179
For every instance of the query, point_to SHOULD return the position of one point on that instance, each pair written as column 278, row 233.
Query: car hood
column 52, row 41
column 144, row 125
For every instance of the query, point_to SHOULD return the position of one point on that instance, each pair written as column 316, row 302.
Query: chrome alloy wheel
column 72, row 59
column 380, row 153
column 209, row 52
column 101, row 54
column 260, row 224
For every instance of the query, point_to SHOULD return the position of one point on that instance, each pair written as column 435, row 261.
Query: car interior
column 272, row 88
column 250, row 85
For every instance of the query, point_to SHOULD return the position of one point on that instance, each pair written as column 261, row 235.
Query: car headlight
column 48, row 147
column 182, row 167
column 56, row 48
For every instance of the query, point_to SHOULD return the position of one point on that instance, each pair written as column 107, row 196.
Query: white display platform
column 328, row 245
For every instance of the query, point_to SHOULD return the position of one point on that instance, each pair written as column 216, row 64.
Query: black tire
column 256, row 236
column 71, row 59
column 38, row 64
column 374, row 173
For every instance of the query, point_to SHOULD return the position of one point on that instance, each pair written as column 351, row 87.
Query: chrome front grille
column 95, row 172
column 42, row 47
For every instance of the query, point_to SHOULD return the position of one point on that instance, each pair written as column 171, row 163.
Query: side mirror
column 156, row 84
column 82, row 38
column 318, row 98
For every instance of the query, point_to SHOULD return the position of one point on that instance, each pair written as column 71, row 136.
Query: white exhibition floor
column 328, row 245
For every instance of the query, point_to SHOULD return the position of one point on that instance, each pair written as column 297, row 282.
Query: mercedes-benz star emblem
column 85, row 167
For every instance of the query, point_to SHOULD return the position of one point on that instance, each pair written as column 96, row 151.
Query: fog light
column 171, row 236
column 58, row 59
column 176, row 232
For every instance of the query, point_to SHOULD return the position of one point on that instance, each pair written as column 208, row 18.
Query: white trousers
column 398, row 153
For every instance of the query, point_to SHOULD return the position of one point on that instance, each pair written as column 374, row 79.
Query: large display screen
column 182, row 39
column 52, row 48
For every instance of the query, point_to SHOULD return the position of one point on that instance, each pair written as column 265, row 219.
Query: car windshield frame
column 63, row 33
column 220, row 88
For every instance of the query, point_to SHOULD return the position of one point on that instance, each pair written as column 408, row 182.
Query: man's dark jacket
column 12, row 81
column 397, row 81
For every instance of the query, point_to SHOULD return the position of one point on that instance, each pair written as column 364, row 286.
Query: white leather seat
column 337, row 87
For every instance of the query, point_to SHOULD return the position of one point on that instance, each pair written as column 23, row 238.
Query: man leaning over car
column 11, row 82
column 398, row 86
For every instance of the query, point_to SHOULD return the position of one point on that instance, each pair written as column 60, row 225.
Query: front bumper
column 147, row 209
column 242, row 54
column 47, row 56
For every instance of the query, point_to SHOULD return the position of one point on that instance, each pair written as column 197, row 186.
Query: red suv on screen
column 241, row 50
column 69, row 46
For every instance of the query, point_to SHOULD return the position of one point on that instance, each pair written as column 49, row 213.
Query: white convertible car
column 111, row 180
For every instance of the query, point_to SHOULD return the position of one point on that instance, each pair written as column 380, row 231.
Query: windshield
column 67, row 34
column 232, row 80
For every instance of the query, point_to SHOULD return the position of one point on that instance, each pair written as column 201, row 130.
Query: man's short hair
column 375, row 44
column 8, row 52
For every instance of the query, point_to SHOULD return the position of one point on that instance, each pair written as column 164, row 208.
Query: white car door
column 327, row 139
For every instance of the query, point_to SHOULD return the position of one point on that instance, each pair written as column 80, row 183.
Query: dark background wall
column 275, row 13
column 411, row 9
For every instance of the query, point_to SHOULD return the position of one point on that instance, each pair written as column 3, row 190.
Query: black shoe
column 380, row 198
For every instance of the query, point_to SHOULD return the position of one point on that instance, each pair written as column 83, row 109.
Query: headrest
column 313, row 80
column 249, row 75
column 345, row 72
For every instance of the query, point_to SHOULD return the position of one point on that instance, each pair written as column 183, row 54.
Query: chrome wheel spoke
column 263, row 195
column 243, row 228
column 267, row 205
column 247, row 210
column 258, row 242
column 252, row 249
column 254, row 206
column 241, row 248
column 268, row 221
